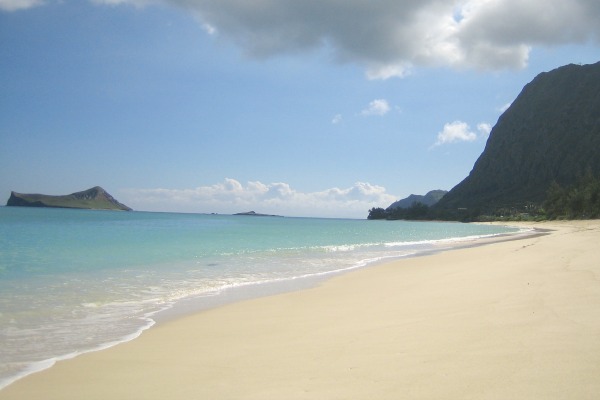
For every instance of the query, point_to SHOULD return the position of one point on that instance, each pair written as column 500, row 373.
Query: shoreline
column 236, row 294
column 253, row 290
column 244, row 292
column 252, row 358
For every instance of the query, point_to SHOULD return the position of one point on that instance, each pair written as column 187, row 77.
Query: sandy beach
column 516, row 319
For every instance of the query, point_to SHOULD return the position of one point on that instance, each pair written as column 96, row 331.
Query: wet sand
column 515, row 319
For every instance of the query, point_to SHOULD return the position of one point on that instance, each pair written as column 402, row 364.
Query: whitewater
column 74, row 281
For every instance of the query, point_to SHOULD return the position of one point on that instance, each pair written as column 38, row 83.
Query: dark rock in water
column 95, row 198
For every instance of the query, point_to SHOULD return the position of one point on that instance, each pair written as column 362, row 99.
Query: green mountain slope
column 551, row 133
column 95, row 198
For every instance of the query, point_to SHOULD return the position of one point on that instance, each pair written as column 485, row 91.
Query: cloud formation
column 484, row 129
column 459, row 131
column 504, row 107
column 15, row 5
column 388, row 37
column 230, row 196
column 376, row 107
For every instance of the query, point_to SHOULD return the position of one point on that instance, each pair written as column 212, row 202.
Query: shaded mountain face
column 551, row 132
column 429, row 199
column 95, row 198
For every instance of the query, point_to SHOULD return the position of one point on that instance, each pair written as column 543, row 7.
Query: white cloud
column 504, row 107
column 136, row 3
column 336, row 119
column 459, row 131
column 386, row 71
column 230, row 196
column 456, row 131
column 376, row 107
column 15, row 5
column 484, row 129
column 208, row 28
column 387, row 37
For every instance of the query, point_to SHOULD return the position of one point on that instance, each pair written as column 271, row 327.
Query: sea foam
column 72, row 282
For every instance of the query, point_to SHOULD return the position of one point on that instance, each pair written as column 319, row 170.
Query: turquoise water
column 73, row 281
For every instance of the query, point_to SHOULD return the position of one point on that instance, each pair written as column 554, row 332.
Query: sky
column 300, row 108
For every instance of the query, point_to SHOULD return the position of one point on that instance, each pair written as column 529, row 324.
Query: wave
column 129, row 299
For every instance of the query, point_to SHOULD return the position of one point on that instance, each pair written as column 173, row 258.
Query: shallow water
column 73, row 281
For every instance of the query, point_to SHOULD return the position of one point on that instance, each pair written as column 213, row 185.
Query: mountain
column 550, row 133
column 429, row 199
column 95, row 198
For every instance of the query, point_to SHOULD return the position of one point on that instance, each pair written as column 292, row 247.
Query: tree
column 377, row 213
column 581, row 200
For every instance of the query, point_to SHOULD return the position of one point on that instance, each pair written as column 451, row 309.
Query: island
column 255, row 214
column 95, row 198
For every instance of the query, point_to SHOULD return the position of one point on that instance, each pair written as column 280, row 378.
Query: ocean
column 74, row 281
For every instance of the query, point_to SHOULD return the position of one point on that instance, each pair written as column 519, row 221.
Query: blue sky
column 297, row 108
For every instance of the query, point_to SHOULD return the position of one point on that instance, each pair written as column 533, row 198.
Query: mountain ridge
column 550, row 133
column 429, row 199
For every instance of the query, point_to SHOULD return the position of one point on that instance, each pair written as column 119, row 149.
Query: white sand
column 510, row 320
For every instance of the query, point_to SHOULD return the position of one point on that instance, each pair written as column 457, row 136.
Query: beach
column 512, row 319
